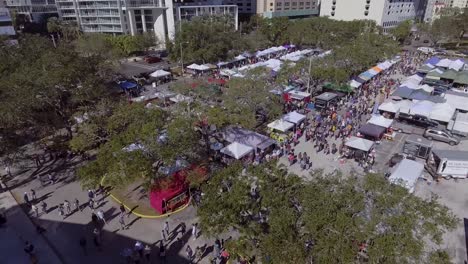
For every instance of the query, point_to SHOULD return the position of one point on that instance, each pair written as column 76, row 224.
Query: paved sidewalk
column 16, row 231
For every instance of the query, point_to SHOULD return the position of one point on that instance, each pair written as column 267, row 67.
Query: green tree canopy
column 326, row 220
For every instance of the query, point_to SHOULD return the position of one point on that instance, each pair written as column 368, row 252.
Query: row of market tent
column 372, row 72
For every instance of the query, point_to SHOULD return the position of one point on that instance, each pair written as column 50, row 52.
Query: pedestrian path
column 17, row 231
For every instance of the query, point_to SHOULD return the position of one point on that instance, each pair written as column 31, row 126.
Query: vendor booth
column 372, row 131
column 417, row 146
column 360, row 147
column 279, row 129
column 247, row 137
column 379, row 120
column 237, row 150
column 406, row 174
column 300, row 96
column 294, row 117
column 326, row 100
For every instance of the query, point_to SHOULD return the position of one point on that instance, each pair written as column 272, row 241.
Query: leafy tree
column 133, row 142
column 42, row 87
column 275, row 29
column 402, row 31
column 327, row 220
column 68, row 29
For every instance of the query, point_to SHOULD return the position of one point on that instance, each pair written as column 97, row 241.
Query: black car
column 417, row 120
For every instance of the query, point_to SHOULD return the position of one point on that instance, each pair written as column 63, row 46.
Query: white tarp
column 389, row 106
column 426, row 88
column 359, row 143
column 180, row 98
column 404, row 106
column 197, row 67
column 456, row 65
column 298, row 95
column 294, row 117
column 227, row 72
column 457, row 101
column 280, row 125
column 444, row 63
column 406, row 174
column 442, row 112
column 239, row 58
column 355, row 84
column 160, row 73
column 379, row 120
column 384, row 65
column 422, row 108
column 296, row 55
column 237, row 150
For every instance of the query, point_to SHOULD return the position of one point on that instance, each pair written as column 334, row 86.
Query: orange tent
column 377, row 69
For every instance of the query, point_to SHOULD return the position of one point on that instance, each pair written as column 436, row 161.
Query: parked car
column 151, row 59
column 441, row 135
column 417, row 120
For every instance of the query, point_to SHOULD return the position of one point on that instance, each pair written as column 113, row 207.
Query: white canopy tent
column 385, row 65
column 237, row 150
column 406, row 174
column 445, row 63
column 404, row 106
column 227, row 72
column 422, row 108
column 359, row 143
column 180, row 98
column 379, row 120
column 389, row 106
column 355, row 84
column 280, row 125
column 442, row 112
column 299, row 95
column 160, row 73
column 294, row 117
column 197, row 67
column 426, row 88
column 456, row 65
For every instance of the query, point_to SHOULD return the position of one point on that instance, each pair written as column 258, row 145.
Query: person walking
column 166, row 228
column 61, row 211
column 189, row 252
column 122, row 222
column 77, row 206
column 198, row 254
column 67, row 207
column 44, row 207
column 194, row 231
column 33, row 195
column 163, row 235
column 100, row 214
column 139, row 248
column 91, row 204
column 162, row 252
column 97, row 238
column 26, row 198
column 83, row 245
column 147, row 253
column 35, row 210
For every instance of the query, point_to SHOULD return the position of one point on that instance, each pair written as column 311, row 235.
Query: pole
column 181, row 58
column 310, row 68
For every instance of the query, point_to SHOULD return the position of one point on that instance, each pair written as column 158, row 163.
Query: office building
column 188, row 12
column 434, row 8
column 386, row 13
column 288, row 8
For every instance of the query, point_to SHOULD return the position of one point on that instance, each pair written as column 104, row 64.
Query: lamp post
column 310, row 68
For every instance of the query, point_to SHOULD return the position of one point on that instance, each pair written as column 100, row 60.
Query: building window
column 294, row 3
column 332, row 13
column 286, row 4
column 301, row 3
column 271, row 4
column 366, row 13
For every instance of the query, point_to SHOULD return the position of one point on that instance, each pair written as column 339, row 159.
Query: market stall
column 372, row 131
column 379, row 120
column 294, row 117
column 279, row 129
column 406, row 174
column 237, row 150
column 359, row 147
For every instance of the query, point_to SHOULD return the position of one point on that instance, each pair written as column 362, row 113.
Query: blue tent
column 403, row 92
column 366, row 75
column 433, row 61
column 128, row 85
column 419, row 95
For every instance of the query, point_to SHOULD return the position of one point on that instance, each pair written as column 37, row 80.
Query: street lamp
column 310, row 68
column 182, row 56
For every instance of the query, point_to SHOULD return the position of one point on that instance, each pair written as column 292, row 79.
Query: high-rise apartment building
column 386, row 13
column 458, row 3
column 288, row 8
column 32, row 10
column 435, row 7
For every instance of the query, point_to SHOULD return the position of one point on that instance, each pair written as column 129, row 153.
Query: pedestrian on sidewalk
column 100, row 214
column 83, row 245
column 67, row 207
column 189, row 252
column 139, row 248
column 97, row 238
column 91, row 204
column 77, row 206
column 35, row 210
column 122, row 222
column 194, row 231
column 166, row 228
column 147, row 253
column 198, row 254
column 95, row 219
column 61, row 211
column 90, row 194
column 44, row 207
column 122, row 209
column 183, row 228
column 33, row 195
column 162, row 252
column 26, row 198
column 163, row 235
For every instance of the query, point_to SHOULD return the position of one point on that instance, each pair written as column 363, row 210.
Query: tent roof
column 197, row 67
column 456, row 65
column 403, row 92
column 407, row 173
column 423, row 108
column 128, row 85
column 247, row 137
column 160, row 73
column 379, row 120
column 449, row 74
column 389, row 106
column 366, row 75
column 442, row 112
column 426, row 88
column 355, row 84
column 294, row 117
column 180, row 98
column 444, row 63
column 433, row 60
column 298, row 95
column 372, row 130
column 359, row 143
column 236, row 150
column 280, row 125
column 462, row 78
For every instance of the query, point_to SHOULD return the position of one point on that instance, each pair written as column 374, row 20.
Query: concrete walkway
column 17, row 231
